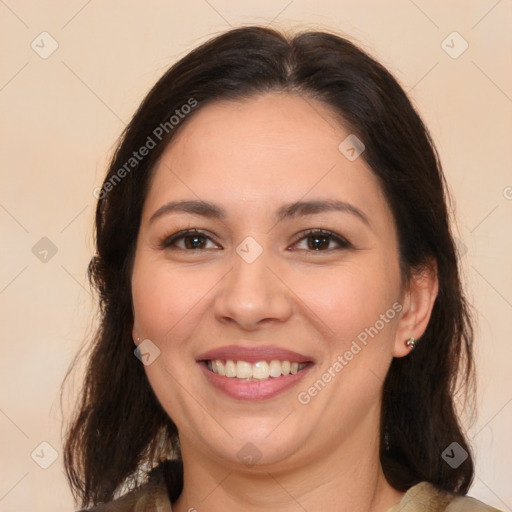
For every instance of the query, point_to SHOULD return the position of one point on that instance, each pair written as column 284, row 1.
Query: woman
column 273, row 237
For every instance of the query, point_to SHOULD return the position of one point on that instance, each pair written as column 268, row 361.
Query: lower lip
column 253, row 390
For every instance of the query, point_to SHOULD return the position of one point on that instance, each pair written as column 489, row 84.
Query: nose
column 251, row 295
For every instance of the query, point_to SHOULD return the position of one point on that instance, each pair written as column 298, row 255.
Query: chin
column 255, row 446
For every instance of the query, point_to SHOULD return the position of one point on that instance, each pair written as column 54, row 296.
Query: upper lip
column 253, row 354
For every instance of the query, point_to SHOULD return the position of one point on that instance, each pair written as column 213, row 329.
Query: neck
column 346, row 479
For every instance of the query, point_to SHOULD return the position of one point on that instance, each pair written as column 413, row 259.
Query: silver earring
column 411, row 342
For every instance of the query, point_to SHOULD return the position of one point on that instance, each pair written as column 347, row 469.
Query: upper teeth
column 261, row 370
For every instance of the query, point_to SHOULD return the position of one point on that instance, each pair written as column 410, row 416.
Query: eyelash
column 168, row 241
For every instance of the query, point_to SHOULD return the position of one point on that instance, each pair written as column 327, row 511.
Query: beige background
column 61, row 116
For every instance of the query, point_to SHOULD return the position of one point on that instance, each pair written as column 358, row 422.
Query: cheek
column 168, row 303
column 349, row 298
column 166, row 299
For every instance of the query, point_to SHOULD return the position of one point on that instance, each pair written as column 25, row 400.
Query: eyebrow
column 287, row 211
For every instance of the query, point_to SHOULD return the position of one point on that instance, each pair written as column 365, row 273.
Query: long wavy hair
column 119, row 429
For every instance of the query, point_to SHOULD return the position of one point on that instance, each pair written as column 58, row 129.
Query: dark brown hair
column 119, row 426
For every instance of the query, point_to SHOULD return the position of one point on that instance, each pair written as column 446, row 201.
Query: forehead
column 269, row 149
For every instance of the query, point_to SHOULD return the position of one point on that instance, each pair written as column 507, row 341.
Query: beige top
column 423, row 497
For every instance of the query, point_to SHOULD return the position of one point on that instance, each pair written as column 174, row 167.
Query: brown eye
column 194, row 241
column 318, row 242
column 321, row 241
column 188, row 240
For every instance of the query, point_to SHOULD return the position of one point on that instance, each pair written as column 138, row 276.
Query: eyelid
column 342, row 242
column 170, row 240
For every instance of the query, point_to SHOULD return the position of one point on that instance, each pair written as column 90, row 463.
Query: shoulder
column 150, row 497
column 466, row 503
column 425, row 497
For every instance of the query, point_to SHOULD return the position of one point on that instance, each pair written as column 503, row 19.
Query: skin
column 251, row 157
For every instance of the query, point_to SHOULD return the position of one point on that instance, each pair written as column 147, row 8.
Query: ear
column 418, row 299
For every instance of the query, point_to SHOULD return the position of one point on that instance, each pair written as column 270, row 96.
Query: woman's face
column 255, row 289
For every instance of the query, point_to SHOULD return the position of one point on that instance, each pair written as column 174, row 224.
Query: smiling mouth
column 254, row 372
